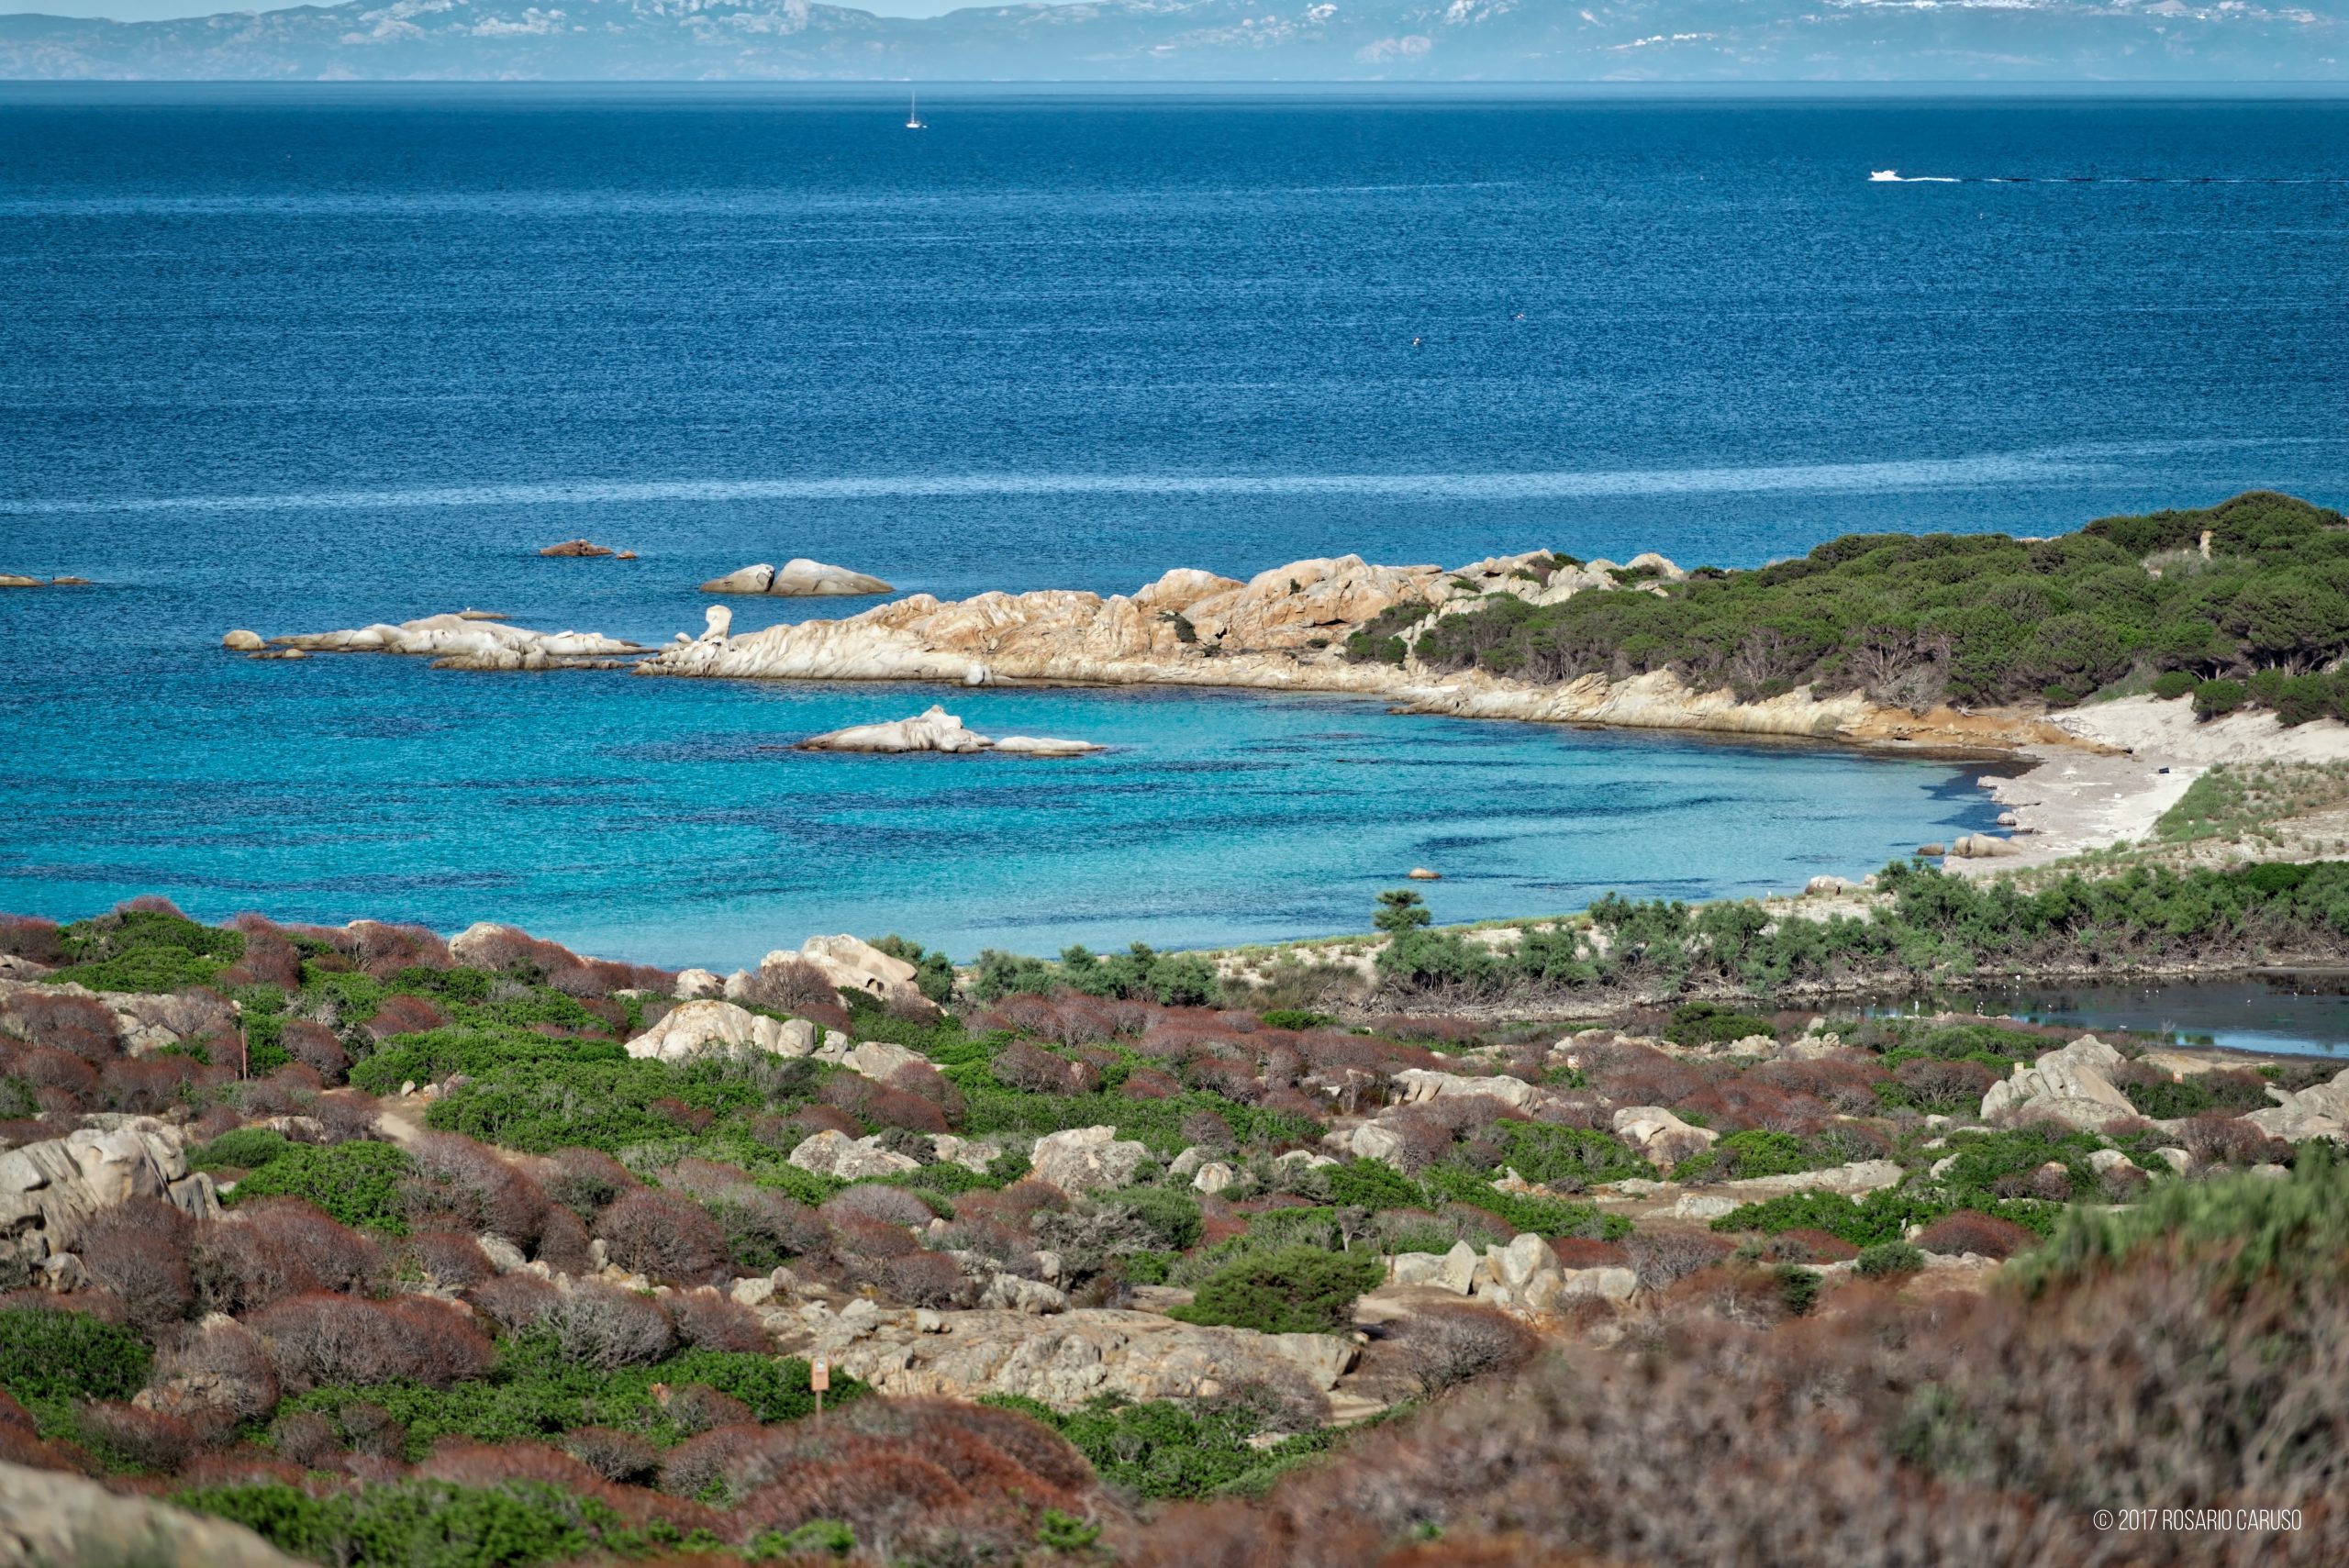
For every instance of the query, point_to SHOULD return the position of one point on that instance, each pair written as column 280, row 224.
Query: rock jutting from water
column 471, row 641
column 935, row 729
column 800, row 578
column 580, row 550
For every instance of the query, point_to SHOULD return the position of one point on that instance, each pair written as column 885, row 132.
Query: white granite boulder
column 1085, row 1159
column 707, row 1024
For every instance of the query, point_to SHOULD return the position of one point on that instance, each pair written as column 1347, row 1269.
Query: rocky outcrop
column 49, row 1519
column 1419, row 1083
column 49, row 1189
column 830, row 1153
column 2321, row 1110
column 2070, row 1086
column 1085, row 1159
column 800, row 578
column 694, row 1026
column 586, row 550
column 935, row 729
column 1523, row 1277
column 1984, row 847
column 147, row 1021
column 854, row 964
column 243, row 641
column 466, row 642
column 1072, row 1357
column 1659, row 1135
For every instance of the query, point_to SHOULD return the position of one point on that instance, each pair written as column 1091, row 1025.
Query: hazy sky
column 156, row 10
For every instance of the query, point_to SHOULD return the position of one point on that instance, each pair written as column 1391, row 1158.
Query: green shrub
column 1543, row 1153
column 1295, row 1018
column 1709, row 1023
column 2171, row 685
column 1297, row 1290
column 2212, row 698
column 357, row 1184
column 1171, row 1216
column 1165, row 1449
column 1797, row 1288
column 437, row 1524
column 2295, row 1230
column 1889, row 1260
column 1753, row 1153
column 144, row 950
column 533, row 1393
column 245, row 1148
column 47, row 1354
column 933, row 972
column 1879, row 1217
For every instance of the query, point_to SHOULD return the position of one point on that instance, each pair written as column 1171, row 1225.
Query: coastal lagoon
column 295, row 360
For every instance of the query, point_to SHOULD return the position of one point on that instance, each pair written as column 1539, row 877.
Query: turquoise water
column 671, row 820
column 299, row 359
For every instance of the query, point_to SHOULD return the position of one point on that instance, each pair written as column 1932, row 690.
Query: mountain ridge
column 1208, row 40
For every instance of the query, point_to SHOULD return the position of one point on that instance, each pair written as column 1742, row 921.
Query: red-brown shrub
column 1664, row 1256
column 1150, row 1083
column 515, row 1302
column 138, row 1251
column 457, row 1183
column 404, row 1014
column 225, row 1368
column 853, row 1236
column 59, row 1073
column 1583, row 1252
column 809, row 1121
column 145, row 1440
column 269, row 959
column 315, row 1046
column 81, row 1025
column 585, row 1180
column 710, row 1458
column 346, row 1115
column 697, row 1408
column 317, row 1339
column 662, row 1236
column 1443, row 1347
column 1806, row 1246
column 563, row 1244
column 600, row 1325
column 921, row 1279
column 1968, row 1230
column 614, row 1455
column 275, row 1248
column 877, row 1104
column 893, row 1206
column 144, row 1086
column 384, row 950
column 681, row 1114
column 30, row 937
column 2220, row 1137
column 307, row 1439
column 707, row 1320
column 1034, row 1070
column 794, row 985
column 447, row 1257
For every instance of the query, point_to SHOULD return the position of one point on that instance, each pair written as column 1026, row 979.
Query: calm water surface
column 299, row 359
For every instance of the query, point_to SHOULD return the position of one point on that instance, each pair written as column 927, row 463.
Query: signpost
column 819, row 1378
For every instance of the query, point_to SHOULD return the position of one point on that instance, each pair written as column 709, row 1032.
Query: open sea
column 302, row 358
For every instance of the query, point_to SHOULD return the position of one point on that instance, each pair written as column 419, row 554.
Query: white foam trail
column 1908, row 474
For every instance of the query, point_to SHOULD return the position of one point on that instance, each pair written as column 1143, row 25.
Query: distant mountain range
column 1205, row 40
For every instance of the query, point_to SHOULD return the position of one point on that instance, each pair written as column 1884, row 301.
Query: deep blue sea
column 296, row 359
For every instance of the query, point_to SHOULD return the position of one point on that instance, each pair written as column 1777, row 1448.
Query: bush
column 359, row 1185
column 315, row 1340
column 1446, row 1346
column 2212, row 698
column 1296, row 1290
column 1165, row 1449
column 663, row 1236
column 1889, row 1260
column 1171, row 1219
column 1709, row 1023
column 1982, row 1234
column 434, row 1524
column 50, row 1354
column 245, row 1149
column 598, row 1325
column 2171, row 685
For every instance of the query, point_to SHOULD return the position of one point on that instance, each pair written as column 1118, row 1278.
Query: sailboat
column 913, row 115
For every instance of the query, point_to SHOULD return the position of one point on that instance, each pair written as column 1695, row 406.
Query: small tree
column 1401, row 909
